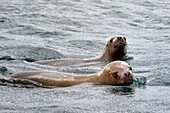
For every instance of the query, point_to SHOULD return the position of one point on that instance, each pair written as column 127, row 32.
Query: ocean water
column 32, row 30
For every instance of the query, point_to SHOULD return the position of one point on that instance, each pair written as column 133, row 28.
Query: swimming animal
column 116, row 49
column 114, row 73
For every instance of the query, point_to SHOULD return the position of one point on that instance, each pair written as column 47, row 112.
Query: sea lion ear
column 114, row 74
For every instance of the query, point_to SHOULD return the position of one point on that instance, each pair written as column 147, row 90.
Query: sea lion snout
column 127, row 74
column 120, row 41
column 127, row 78
column 121, row 38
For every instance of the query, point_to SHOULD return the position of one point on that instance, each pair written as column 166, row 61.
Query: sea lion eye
column 115, row 74
column 124, row 38
column 130, row 68
column 111, row 40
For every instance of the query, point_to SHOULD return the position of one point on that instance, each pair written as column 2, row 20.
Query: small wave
column 159, row 81
column 3, row 38
column 2, row 21
column 127, row 57
column 132, row 24
column 7, row 22
column 31, row 30
column 3, row 70
column 30, row 54
column 139, row 81
column 87, row 44
column 46, row 34
column 7, row 58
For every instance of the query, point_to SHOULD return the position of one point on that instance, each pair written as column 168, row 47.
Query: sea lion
column 114, row 73
column 115, row 50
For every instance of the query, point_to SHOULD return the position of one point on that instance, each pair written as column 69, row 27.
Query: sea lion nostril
column 119, row 38
column 127, row 74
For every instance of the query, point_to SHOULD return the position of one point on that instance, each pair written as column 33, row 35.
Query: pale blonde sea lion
column 115, row 50
column 114, row 73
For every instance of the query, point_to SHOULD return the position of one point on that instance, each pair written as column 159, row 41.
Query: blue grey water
column 49, row 29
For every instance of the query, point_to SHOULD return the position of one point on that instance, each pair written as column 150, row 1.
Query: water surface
column 55, row 29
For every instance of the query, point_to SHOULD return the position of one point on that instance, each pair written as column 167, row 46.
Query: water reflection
column 129, row 90
column 123, row 90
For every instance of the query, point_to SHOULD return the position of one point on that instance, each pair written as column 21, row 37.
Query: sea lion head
column 116, row 48
column 117, row 73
